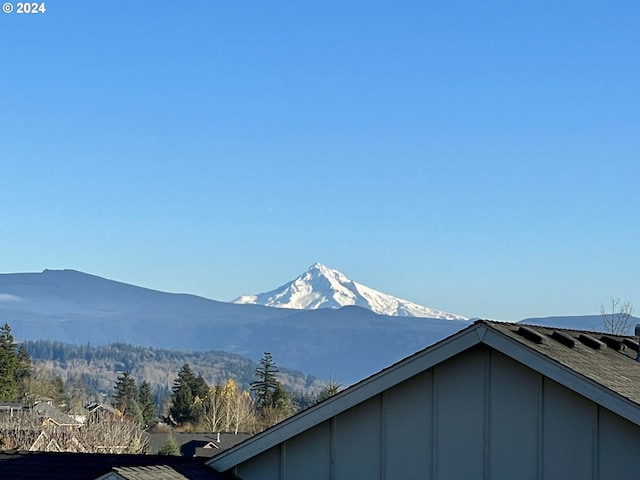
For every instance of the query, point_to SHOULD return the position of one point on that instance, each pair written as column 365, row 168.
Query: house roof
column 191, row 444
column 46, row 411
column 93, row 406
column 598, row 366
column 82, row 466
column 162, row 472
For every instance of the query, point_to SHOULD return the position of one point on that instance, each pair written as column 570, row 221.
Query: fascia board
column 564, row 375
column 358, row 393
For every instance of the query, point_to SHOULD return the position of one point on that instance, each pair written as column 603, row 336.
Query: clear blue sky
column 476, row 157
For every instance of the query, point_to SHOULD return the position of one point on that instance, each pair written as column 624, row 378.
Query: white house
column 494, row 401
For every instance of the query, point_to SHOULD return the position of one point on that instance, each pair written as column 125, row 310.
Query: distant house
column 197, row 444
column 50, row 415
column 31, row 428
column 46, row 413
column 101, row 408
column 10, row 408
column 494, row 401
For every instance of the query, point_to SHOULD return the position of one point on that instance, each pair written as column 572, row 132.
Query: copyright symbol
column 7, row 7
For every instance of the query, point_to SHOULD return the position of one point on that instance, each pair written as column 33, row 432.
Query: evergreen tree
column 272, row 402
column 200, row 392
column 57, row 388
column 329, row 390
column 266, row 385
column 23, row 369
column 8, row 364
column 199, row 388
column 185, row 377
column 145, row 401
column 181, row 403
column 23, row 372
column 281, row 400
column 190, row 394
column 126, row 396
column 170, row 447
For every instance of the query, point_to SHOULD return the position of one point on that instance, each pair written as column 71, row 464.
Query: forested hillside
column 97, row 368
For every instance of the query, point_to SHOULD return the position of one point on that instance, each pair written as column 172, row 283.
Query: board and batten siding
column 478, row 415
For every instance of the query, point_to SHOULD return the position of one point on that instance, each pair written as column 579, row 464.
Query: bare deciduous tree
column 212, row 409
column 229, row 409
column 112, row 435
column 242, row 409
column 618, row 321
column 24, row 431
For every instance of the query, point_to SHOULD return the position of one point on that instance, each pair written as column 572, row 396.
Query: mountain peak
column 324, row 287
column 321, row 269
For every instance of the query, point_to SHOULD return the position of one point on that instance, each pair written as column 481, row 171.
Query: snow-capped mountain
column 322, row 287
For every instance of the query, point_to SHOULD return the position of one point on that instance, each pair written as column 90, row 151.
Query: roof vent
column 638, row 335
column 614, row 343
column 564, row 338
column 632, row 344
column 591, row 342
column 530, row 334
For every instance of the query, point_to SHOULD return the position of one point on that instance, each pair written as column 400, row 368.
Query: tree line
column 192, row 405
column 95, row 367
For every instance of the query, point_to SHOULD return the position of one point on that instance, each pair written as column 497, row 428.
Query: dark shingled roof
column 165, row 472
column 609, row 361
column 191, row 444
column 83, row 466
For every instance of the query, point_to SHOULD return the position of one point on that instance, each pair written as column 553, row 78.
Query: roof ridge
column 550, row 328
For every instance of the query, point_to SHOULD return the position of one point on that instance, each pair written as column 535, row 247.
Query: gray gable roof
column 581, row 361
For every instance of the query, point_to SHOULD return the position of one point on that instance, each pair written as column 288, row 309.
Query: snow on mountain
column 322, row 287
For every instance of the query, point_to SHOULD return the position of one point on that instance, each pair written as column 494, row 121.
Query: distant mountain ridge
column 348, row 343
column 323, row 287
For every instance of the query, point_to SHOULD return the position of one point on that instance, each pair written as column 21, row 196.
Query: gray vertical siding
column 265, row 466
column 357, row 441
column 306, row 454
column 478, row 415
column 569, row 426
column 459, row 416
column 619, row 447
column 408, row 438
column 515, row 403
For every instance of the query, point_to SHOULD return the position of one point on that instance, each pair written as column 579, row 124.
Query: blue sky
column 479, row 158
